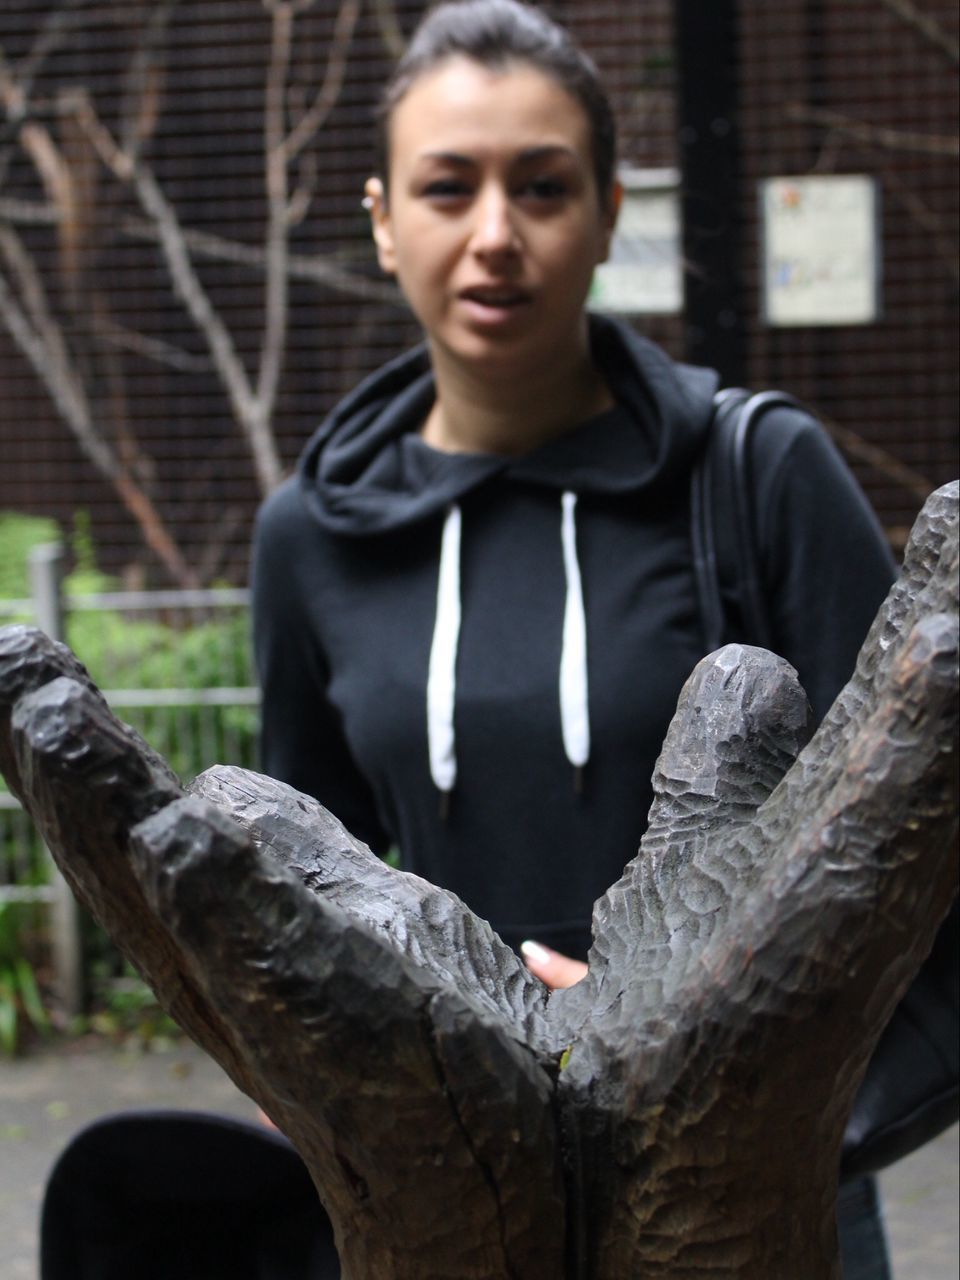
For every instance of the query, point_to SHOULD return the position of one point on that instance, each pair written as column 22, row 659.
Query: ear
column 375, row 200
column 610, row 213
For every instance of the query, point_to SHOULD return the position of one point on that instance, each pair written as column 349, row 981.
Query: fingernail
column 534, row 951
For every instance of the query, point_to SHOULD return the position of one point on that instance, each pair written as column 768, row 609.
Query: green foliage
column 19, row 534
column 130, row 652
column 127, row 650
column 123, row 1008
column 81, row 543
column 21, row 854
column 20, row 1000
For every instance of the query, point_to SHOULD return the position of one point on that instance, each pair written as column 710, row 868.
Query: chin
column 503, row 352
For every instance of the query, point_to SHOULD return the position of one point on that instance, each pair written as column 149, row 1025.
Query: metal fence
column 176, row 665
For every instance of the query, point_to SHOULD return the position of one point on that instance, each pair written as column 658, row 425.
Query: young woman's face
column 494, row 224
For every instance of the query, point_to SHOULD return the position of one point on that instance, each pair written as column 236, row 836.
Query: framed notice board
column 821, row 257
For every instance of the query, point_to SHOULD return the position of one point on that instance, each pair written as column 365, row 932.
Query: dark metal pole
column 706, row 39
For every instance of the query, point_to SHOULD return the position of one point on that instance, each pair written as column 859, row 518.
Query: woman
column 474, row 603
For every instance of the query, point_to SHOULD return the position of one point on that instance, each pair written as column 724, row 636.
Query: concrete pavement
column 48, row 1096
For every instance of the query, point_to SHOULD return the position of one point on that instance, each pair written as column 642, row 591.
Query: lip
column 490, row 304
column 496, row 295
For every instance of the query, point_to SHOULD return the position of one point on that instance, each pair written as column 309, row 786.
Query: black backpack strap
column 725, row 467
column 716, row 457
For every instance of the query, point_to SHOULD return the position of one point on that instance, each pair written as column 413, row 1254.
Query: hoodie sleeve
column 827, row 564
column 301, row 737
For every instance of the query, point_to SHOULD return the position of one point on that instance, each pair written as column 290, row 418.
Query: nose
column 494, row 231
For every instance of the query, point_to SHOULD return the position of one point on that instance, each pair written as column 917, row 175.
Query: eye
column 446, row 189
column 544, row 189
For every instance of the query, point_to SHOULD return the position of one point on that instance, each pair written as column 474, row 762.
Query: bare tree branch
column 189, row 289
column 52, row 169
column 937, row 229
column 37, row 334
column 16, row 83
column 28, row 212
column 34, row 329
column 142, row 96
column 24, row 304
column 276, row 246
column 931, row 144
column 329, row 91
column 55, row 29
column 151, row 348
column 322, row 271
column 302, row 195
column 253, row 404
column 252, row 399
column 881, row 460
column 318, row 270
column 390, row 30
column 927, row 26
column 119, row 161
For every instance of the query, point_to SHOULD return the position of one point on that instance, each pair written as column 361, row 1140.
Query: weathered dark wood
column 766, row 950
column 678, row 1113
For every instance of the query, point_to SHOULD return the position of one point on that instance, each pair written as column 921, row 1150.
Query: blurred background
column 187, row 285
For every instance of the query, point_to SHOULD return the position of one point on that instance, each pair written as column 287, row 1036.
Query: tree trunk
column 678, row 1113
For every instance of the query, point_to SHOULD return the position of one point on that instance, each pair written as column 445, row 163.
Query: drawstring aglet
column 444, row 805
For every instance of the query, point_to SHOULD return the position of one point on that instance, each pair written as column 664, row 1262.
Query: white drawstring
column 442, row 674
column 574, row 708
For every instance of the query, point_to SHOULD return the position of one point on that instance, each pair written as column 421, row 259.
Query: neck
column 479, row 412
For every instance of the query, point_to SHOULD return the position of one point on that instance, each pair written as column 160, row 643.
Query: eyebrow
column 529, row 154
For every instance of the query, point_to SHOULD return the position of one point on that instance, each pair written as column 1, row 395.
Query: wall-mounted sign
column 644, row 274
column 821, row 261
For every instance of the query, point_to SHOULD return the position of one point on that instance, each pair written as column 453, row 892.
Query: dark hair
column 495, row 33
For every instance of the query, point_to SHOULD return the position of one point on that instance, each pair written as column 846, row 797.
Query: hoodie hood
column 366, row 470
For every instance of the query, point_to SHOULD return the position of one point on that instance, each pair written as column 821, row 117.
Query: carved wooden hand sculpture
column 678, row 1113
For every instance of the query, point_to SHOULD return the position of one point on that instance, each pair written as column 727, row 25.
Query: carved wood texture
column 677, row 1114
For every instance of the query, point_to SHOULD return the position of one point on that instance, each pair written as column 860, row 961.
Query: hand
column 553, row 969
column 265, row 1119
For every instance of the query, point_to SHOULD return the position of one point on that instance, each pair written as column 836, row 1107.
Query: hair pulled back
column 494, row 34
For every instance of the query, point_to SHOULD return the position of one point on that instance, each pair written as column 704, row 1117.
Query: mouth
column 496, row 297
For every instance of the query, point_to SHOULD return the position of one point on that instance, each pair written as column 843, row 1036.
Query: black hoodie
column 528, row 812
